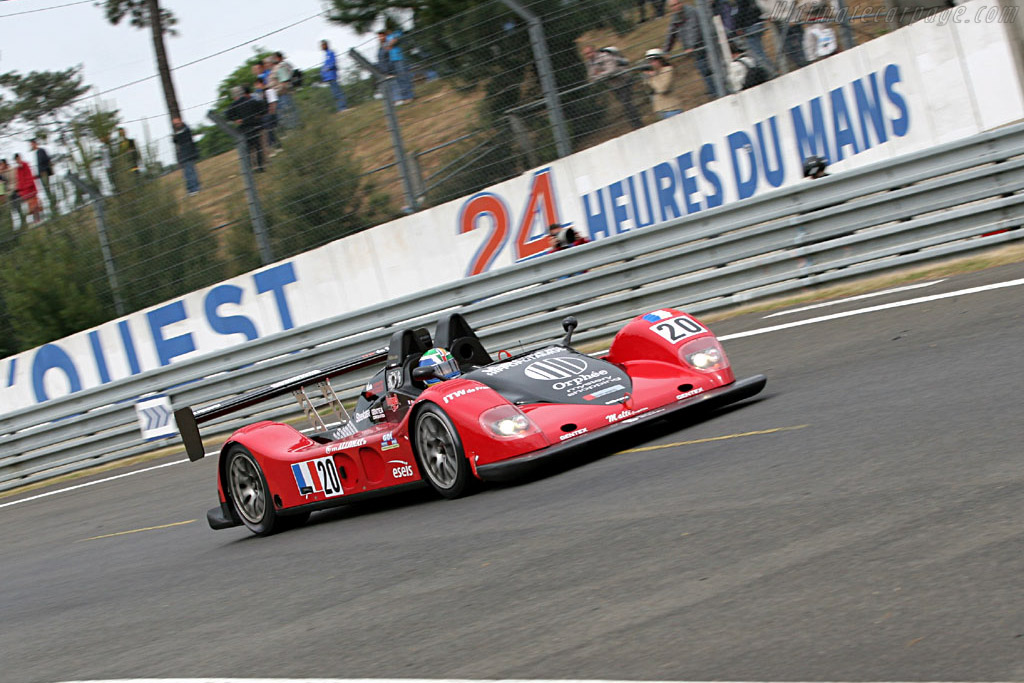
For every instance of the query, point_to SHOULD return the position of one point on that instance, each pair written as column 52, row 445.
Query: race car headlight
column 704, row 354
column 508, row 422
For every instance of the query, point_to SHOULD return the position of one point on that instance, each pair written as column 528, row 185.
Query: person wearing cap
column 608, row 65
column 659, row 79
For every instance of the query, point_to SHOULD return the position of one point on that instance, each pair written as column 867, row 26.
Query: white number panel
column 318, row 476
column 677, row 329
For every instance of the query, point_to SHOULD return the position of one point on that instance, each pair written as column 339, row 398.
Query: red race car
column 442, row 411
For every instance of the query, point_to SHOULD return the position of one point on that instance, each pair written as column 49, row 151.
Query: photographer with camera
column 562, row 237
column 658, row 77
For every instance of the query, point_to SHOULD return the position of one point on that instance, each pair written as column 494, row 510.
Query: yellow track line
column 135, row 531
column 713, row 438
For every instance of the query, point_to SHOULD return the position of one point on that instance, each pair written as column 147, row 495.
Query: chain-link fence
column 430, row 114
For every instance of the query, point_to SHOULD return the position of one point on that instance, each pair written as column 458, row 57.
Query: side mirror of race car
column 569, row 324
column 424, row 372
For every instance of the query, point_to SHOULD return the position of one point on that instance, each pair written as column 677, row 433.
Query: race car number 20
column 318, row 476
column 676, row 330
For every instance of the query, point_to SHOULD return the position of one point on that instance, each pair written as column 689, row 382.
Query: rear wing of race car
column 189, row 420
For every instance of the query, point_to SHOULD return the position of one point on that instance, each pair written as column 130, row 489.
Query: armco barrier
column 959, row 197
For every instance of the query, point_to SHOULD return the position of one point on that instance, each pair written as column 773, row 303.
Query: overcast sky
column 33, row 38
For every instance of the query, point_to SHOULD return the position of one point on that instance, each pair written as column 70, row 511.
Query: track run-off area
column 861, row 520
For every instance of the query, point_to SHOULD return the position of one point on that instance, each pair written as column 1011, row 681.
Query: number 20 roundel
column 489, row 206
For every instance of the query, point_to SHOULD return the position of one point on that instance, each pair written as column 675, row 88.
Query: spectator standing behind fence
column 403, row 79
column 743, row 72
column 658, row 76
column 329, row 75
column 269, row 120
column 187, row 153
column 27, row 190
column 819, row 40
column 750, row 27
column 281, row 81
column 247, row 112
column 608, row 65
column 384, row 63
column 784, row 16
column 44, row 170
column 684, row 26
column 657, row 5
column 10, row 182
column 128, row 151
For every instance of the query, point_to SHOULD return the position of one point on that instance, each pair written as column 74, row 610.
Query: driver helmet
column 447, row 366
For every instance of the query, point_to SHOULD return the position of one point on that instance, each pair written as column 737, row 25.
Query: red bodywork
column 383, row 457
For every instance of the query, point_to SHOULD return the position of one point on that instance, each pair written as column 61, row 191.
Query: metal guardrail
column 955, row 198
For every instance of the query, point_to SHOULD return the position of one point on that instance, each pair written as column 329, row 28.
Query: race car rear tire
column 439, row 453
column 249, row 494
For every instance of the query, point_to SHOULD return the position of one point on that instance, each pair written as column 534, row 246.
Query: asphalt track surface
column 862, row 520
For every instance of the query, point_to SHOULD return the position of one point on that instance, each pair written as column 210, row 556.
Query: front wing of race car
column 699, row 404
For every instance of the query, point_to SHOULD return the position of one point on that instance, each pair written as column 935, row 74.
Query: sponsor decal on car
column 400, row 469
column 377, row 413
column 448, row 398
column 387, row 442
column 688, row 394
column 677, row 329
column 574, row 434
column 624, row 414
column 502, row 367
column 655, row 316
column 344, row 445
column 555, row 368
column 347, row 429
column 392, row 402
column 317, row 476
column 603, row 392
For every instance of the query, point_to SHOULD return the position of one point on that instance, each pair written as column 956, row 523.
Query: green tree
column 71, row 297
column 39, row 100
column 162, row 250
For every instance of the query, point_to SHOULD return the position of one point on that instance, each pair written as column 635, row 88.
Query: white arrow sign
column 156, row 419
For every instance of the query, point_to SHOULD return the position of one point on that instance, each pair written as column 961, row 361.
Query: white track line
column 853, row 298
column 873, row 309
column 738, row 335
column 91, row 483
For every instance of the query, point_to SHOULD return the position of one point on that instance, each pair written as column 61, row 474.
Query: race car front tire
column 439, row 453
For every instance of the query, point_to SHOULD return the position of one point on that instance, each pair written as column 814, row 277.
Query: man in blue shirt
column 329, row 75
column 401, row 70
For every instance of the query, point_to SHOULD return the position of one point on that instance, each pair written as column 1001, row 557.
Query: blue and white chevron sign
column 156, row 419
